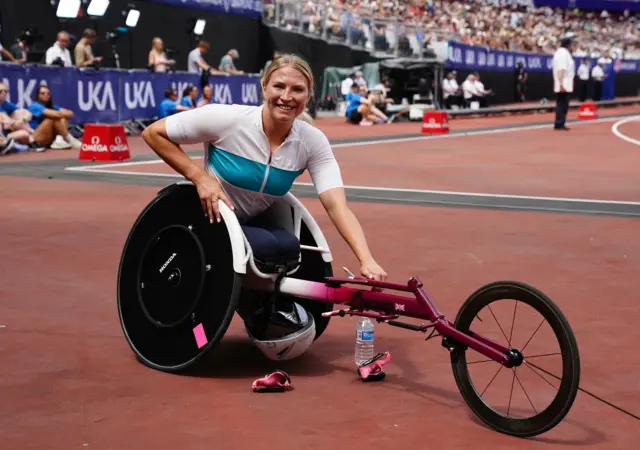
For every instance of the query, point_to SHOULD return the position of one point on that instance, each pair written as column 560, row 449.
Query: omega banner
column 112, row 95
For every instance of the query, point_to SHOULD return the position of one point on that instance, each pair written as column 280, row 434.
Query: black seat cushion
column 274, row 249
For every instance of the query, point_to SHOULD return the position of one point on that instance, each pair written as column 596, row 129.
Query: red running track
column 69, row 380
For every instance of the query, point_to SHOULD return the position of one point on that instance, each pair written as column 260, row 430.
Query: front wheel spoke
column 503, row 333
column 481, row 361
column 494, row 377
column 511, row 394
column 530, row 366
column 525, row 392
column 513, row 322
column 540, row 356
column 534, row 333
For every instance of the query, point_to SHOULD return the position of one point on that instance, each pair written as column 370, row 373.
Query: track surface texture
column 558, row 210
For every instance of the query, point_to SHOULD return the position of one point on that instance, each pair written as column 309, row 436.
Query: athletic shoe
column 75, row 143
column 7, row 147
column 35, row 147
column 60, row 144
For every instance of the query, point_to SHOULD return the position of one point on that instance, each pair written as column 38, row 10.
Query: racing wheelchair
column 181, row 279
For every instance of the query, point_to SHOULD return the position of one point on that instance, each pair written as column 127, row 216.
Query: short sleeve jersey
column 238, row 155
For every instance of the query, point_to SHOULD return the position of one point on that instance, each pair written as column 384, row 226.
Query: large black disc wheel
column 177, row 290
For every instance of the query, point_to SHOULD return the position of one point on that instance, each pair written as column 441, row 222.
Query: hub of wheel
column 515, row 358
column 171, row 276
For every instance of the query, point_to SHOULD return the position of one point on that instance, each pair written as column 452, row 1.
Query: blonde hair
column 291, row 60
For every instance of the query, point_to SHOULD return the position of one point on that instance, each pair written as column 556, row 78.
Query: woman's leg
column 44, row 134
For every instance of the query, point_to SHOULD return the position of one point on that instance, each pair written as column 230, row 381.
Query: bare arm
column 208, row 187
column 53, row 114
column 156, row 137
column 6, row 53
column 335, row 203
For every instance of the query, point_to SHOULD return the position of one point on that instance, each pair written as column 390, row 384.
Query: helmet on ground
column 283, row 332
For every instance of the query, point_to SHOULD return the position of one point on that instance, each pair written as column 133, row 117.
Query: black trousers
column 562, row 107
column 583, row 89
column 597, row 91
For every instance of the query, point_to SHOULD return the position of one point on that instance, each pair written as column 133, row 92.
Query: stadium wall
column 254, row 40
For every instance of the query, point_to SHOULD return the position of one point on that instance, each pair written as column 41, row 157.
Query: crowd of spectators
column 512, row 25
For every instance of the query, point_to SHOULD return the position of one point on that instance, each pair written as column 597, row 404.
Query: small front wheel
column 541, row 388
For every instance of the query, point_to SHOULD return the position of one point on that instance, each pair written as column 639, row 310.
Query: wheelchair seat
column 275, row 250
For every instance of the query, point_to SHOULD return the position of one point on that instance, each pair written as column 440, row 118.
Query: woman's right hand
column 210, row 191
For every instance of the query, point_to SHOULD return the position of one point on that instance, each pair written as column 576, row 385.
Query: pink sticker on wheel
column 201, row 338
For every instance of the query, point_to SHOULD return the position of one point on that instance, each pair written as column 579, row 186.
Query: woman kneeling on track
column 253, row 154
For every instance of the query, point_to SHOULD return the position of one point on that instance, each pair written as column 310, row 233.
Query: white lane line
column 99, row 168
column 413, row 191
column 615, row 126
column 481, row 194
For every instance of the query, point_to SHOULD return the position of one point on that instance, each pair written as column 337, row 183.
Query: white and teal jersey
column 237, row 153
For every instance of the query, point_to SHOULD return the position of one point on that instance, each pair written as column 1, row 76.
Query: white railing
column 359, row 28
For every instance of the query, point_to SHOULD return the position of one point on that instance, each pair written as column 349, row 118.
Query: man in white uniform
column 563, row 74
column 598, row 75
column 583, row 79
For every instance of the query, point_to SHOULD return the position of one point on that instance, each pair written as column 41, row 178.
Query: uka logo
column 222, row 94
column 139, row 95
column 99, row 96
column 23, row 90
column 250, row 94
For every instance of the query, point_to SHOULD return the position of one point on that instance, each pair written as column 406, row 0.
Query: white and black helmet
column 286, row 333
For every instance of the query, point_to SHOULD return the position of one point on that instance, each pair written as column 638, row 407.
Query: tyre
column 479, row 306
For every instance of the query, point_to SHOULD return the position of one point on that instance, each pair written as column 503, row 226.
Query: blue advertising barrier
column 247, row 8
column 461, row 56
column 467, row 57
column 608, row 5
column 112, row 95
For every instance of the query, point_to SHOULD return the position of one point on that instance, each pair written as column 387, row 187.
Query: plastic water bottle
column 365, row 335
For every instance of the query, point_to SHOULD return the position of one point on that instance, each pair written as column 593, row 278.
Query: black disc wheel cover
column 175, row 338
column 171, row 276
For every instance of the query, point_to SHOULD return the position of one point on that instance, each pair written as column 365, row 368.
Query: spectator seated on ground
column 169, row 105
column 207, row 96
column 14, row 123
column 360, row 110
column 386, row 105
column 51, row 122
column 189, row 97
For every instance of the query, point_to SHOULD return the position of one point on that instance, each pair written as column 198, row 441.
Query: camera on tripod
column 30, row 36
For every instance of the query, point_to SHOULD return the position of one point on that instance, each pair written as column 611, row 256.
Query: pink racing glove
column 277, row 381
column 372, row 370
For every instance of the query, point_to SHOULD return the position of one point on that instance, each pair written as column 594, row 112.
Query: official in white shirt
column 469, row 89
column 598, row 76
column 451, row 91
column 59, row 53
column 481, row 92
column 563, row 75
column 583, row 79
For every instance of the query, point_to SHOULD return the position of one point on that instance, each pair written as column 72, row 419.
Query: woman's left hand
column 372, row 270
